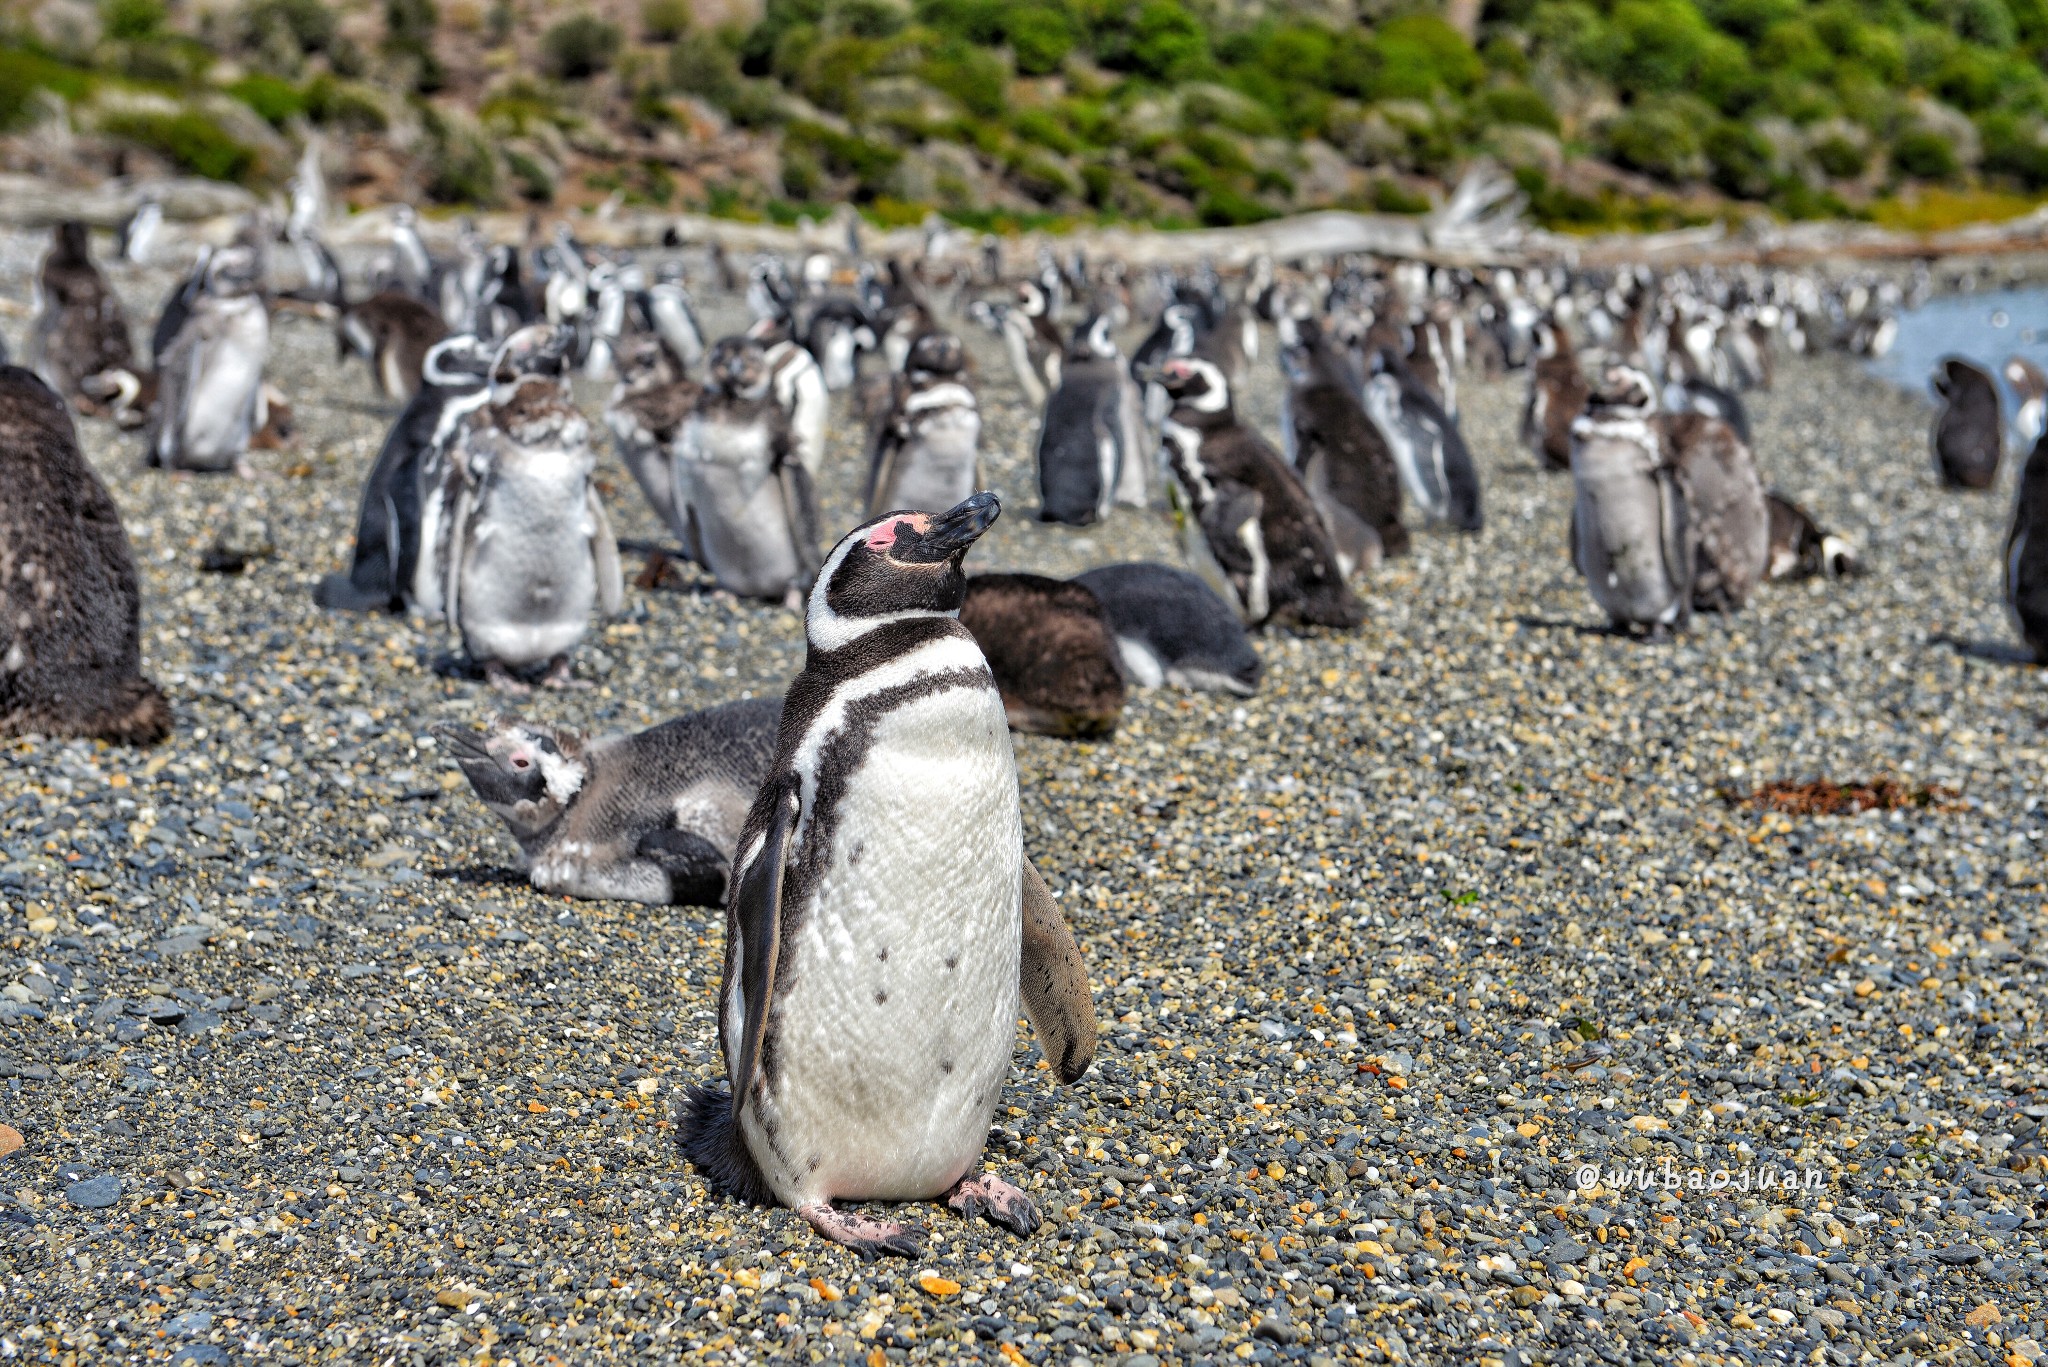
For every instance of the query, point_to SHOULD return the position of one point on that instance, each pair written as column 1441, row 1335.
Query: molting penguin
column 1342, row 458
column 1172, row 629
column 1557, row 395
column 392, row 332
column 529, row 552
column 2026, row 553
column 652, row 817
column 883, row 914
column 70, row 633
column 1800, row 549
column 1429, row 450
column 1710, row 401
column 1051, row 651
column 1089, row 448
column 799, row 389
column 927, row 448
column 751, row 515
column 1630, row 536
column 1969, row 432
column 1258, row 523
column 836, row 332
column 79, row 329
column 401, row 514
column 210, row 398
column 646, row 412
column 1724, row 509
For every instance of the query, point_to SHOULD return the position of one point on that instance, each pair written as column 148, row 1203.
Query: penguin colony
column 863, row 834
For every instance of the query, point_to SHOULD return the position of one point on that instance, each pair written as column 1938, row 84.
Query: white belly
column 894, row 1029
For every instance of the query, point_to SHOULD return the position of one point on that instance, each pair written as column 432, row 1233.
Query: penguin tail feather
column 711, row 1140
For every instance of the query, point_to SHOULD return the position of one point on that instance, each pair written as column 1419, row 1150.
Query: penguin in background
column 391, row 332
column 1257, row 523
column 1343, row 460
column 1709, row 401
column 2029, row 384
column 1557, row 395
column 1801, row 548
column 670, row 311
column 2026, row 553
column 749, row 507
column 140, row 229
column 1429, row 450
column 883, row 915
column 1032, row 340
column 400, row 517
column 1089, row 443
column 210, row 391
column 528, row 555
column 798, row 386
column 645, row 413
column 1050, row 649
column 1630, row 535
column 79, row 328
column 926, row 453
column 70, row 601
column 837, row 332
column 1969, row 432
column 1726, row 514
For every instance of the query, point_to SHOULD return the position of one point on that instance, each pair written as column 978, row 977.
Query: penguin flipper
column 1680, row 540
column 604, row 549
column 756, row 917
column 695, row 868
column 1054, row 982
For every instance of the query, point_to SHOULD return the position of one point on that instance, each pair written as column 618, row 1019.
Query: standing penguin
column 79, row 329
column 645, row 413
column 1724, row 506
column 1341, row 456
column 1257, row 522
column 1089, row 448
column 2026, row 553
column 529, row 552
column 799, row 389
column 883, row 914
column 70, row 608
column 210, row 399
column 751, row 515
column 400, row 515
column 1429, row 450
column 2030, row 387
column 1630, row 536
column 927, row 448
column 392, row 332
column 1171, row 628
column 1969, row 432
column 1557, row 395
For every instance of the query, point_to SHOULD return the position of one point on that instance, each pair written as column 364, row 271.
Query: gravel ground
column 1386, row 955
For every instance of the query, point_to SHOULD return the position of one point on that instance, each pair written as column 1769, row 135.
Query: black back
column 1077, row 416
column 1177, row 615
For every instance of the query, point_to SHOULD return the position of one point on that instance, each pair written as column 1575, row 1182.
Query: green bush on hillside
column 190, row 141
column 580, row 47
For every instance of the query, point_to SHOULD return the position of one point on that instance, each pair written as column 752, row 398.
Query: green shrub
column 1040, row 37
column 278, row 102
column 803, row 176
column 189, row 140
column 530, row 176
column 2015, row 146
column 1389, row 197
column 1925, row 155
column 133, row 21
column 1227, row 208
column 340, row 104
column 1739, row 159
column 580, row 47
column 307, row 24
column 1840, row 158
column 1660, row 138
column 23, row 73
column 664, row 21
column 1518, row 104
column 460, row 167
column 409, row 37
column 700, row 65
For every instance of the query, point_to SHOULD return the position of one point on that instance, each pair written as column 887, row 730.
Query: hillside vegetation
column 1176, row 111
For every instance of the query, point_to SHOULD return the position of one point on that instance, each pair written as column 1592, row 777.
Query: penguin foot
column 656, row 570
column 990, row 1198
column 869, row 1237
column 498, row 676
column 561, row 674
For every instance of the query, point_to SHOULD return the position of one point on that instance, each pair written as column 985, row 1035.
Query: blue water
column 1986, row 328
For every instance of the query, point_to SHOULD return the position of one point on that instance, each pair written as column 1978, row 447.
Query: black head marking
column 902, row 564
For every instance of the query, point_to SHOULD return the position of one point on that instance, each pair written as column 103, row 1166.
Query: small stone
column 1274, row 1329
column 1984, row 1316
column 10, row 1140
column 935, row 1285
column 94, row 1193
column 455, row 1298
column 42, row 925
column 1959, row 1255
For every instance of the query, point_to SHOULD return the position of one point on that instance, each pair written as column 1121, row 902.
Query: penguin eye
column 521, row 762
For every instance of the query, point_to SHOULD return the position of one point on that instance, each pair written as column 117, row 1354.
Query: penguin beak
column 460, row 742
column 948, row 535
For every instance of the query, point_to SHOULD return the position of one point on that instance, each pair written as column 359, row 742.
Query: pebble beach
column 1456, row 1007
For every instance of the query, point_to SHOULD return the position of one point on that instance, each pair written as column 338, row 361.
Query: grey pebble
column 94, row 1193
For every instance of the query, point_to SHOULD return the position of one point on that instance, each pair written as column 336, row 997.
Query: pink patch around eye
column 884, row 536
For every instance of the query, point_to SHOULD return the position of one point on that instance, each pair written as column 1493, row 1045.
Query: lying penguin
column 652, row 817
column 70, row 603
column 1172, row 629
column 1051, row 651
column 1801, row 549
column 883, row 915
column 528, row 553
